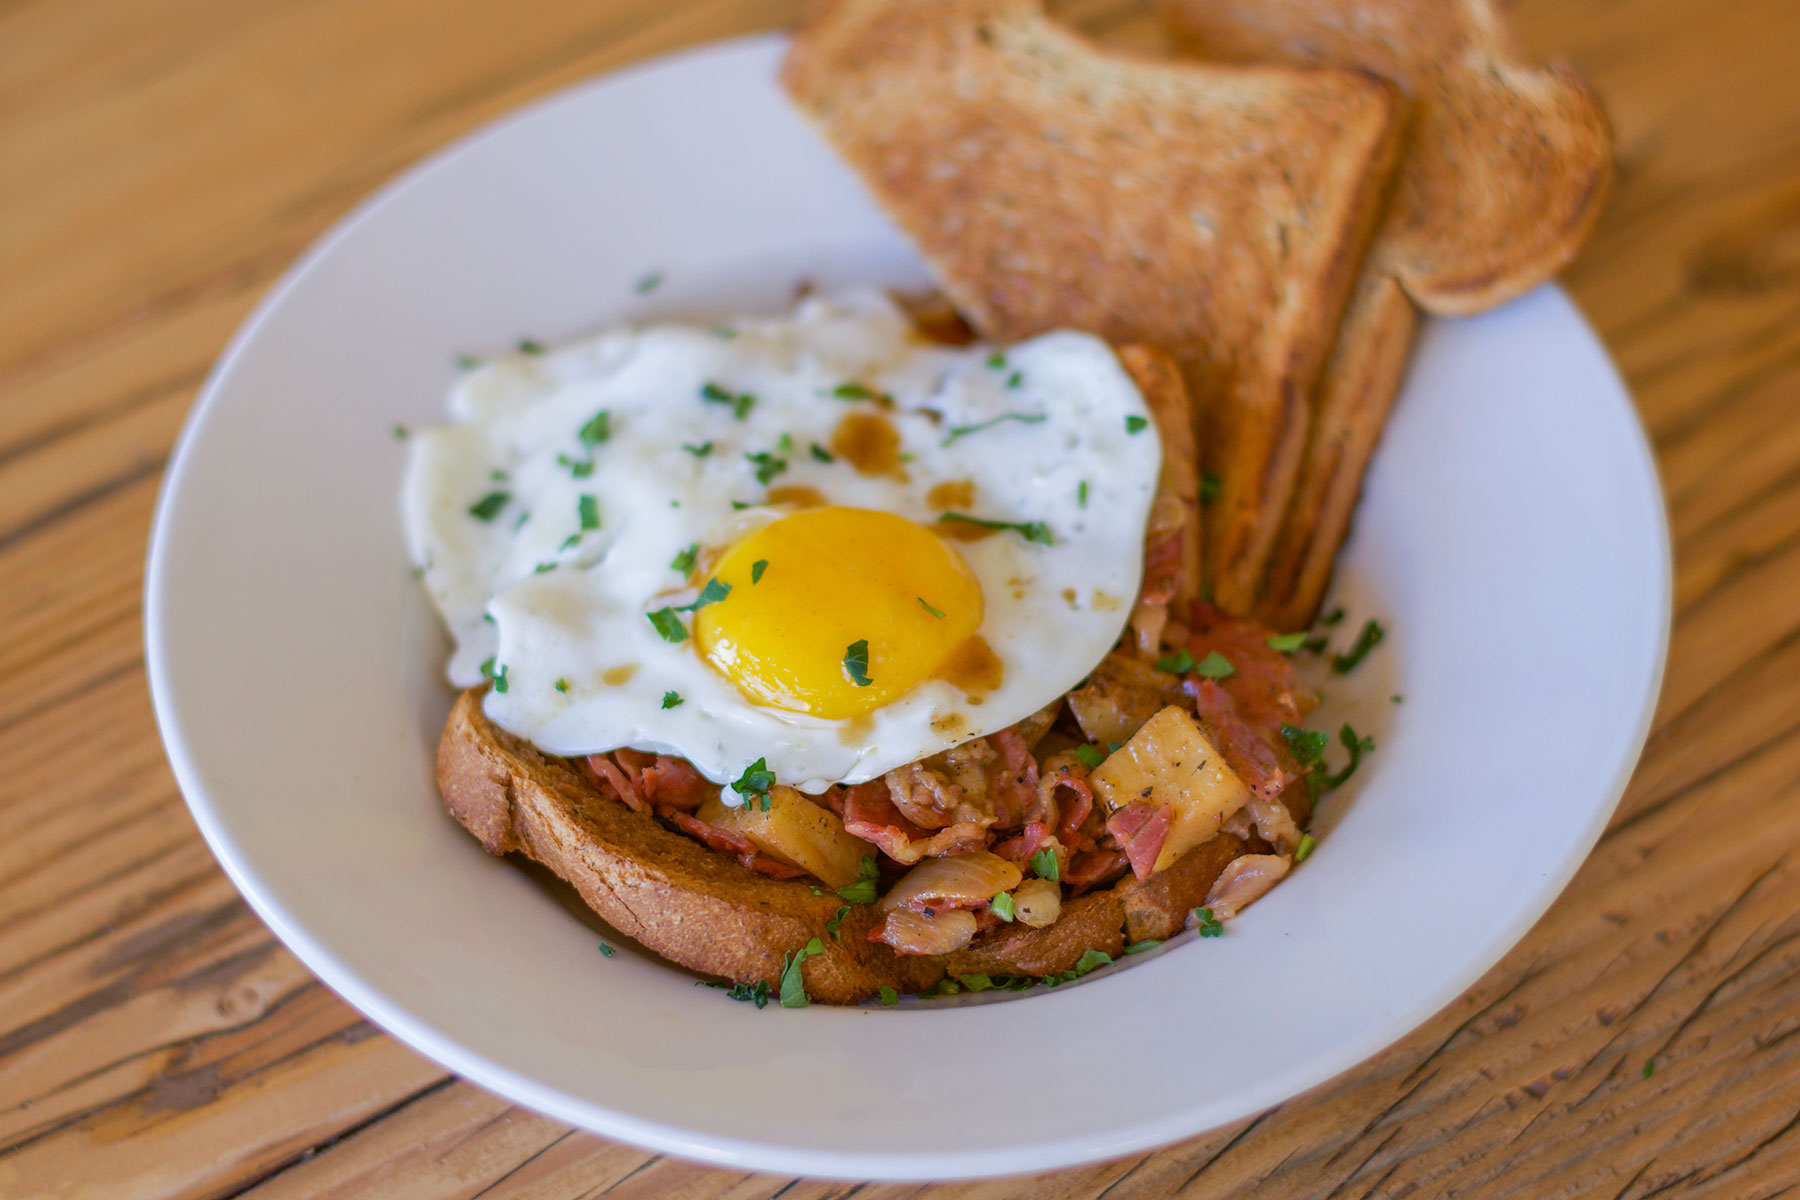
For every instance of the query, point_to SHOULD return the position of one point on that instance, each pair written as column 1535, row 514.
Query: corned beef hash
column 840, row 661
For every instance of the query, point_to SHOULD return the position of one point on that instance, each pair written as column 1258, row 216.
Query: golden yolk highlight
column 807, row 587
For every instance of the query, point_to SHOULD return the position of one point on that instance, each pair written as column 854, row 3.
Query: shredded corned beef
column 605, row 774
column 734, row 844
column 1142, row 829
column 1247, row 748
column 870, row 815
column 1091, row 868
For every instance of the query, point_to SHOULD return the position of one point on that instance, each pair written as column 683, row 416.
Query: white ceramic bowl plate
column 1511, row 538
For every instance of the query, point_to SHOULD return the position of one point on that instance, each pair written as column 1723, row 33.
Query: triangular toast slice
column 1217, row 212
column 1506, row 169
column 1507, row 164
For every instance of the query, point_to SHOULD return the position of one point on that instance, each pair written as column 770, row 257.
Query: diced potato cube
column 796, row 831
column 1171, row 761
column 1119, row 697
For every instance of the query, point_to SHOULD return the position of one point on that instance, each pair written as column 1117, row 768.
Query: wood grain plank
column 159, row 167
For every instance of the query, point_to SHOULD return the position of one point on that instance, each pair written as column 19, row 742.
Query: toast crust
column 702, row 910
column 1218, row 212
column 1507, row 165
column 1354, row 397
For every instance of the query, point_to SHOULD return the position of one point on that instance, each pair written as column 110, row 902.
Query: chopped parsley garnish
column 598, row 429
column 527, row 346
column 1002, row 906
column 976, row 982
column 1308, row 745
column 853, row 391
column 741, row 505
column 467, row 362
column 1216, row 666
column 500, row 684
column 669, row 625
column 588, row 509
column 751, row 993
column 1397, row 698
column 1045, row 865
column 489, row 506
column 785, row 443
column 1178, row 663
column 755, row 782
column 499, row 476
column 401, row 433
column 768, row 465
column 671, row 699
column 562, row 685
column 1287, row 643
column 712, row 593
column 1649, row 1068
column 724, row 332
column 960, row 431
column 1357, row 746
column 930, row 608
column 1031, row 531
column 1015, row 379
column 997, row 361
column 835, row 926
column 523, row 517
column 757, row 568
column 606, row 950
column 856, row 662
column 821, row 454
column 684, row 562
column 1089, row 756
column 1081, row 494
column 1333, row 617
column 569, row 543
column 1210, row 485
column 1367, row 640
column 740, row 405
column 863, row 890
column 1141, row 947
column 1136, row 424
column 648, row 283
column 1304, row 850
column 793, row 987
column 700, row 451
column 542, row 567
column 1091, row 960
column 578, row 468
column 889, row 997
column 1208, row 925
column 487, row 669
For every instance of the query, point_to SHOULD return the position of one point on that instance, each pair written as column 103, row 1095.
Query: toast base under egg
column 701, row 909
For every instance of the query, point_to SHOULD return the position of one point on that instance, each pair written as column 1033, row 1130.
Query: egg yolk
column 836, row 611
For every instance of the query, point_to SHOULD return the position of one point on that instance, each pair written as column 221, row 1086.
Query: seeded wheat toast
column 1219, row 212
column 703, row 910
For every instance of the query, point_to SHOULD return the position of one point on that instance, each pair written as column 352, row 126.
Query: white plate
column 1512, row 537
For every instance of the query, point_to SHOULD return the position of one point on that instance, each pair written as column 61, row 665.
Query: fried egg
column 818, row 540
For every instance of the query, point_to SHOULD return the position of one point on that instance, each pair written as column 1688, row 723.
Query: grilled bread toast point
column 701, row 909
column 1507, row 165
column 1352, row 401
column 1218, row 212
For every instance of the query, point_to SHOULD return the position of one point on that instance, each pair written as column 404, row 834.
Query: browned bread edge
column 702, row 910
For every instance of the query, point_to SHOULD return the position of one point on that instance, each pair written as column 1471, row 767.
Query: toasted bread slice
column 701, row 909
column 1353, row 398
column 1506, row 169
column 1507, row 165
column 1218, row 212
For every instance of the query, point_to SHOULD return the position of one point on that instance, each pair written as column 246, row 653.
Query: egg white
column 546, row 606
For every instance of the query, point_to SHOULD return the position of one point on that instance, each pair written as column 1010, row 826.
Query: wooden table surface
column 161, row 164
